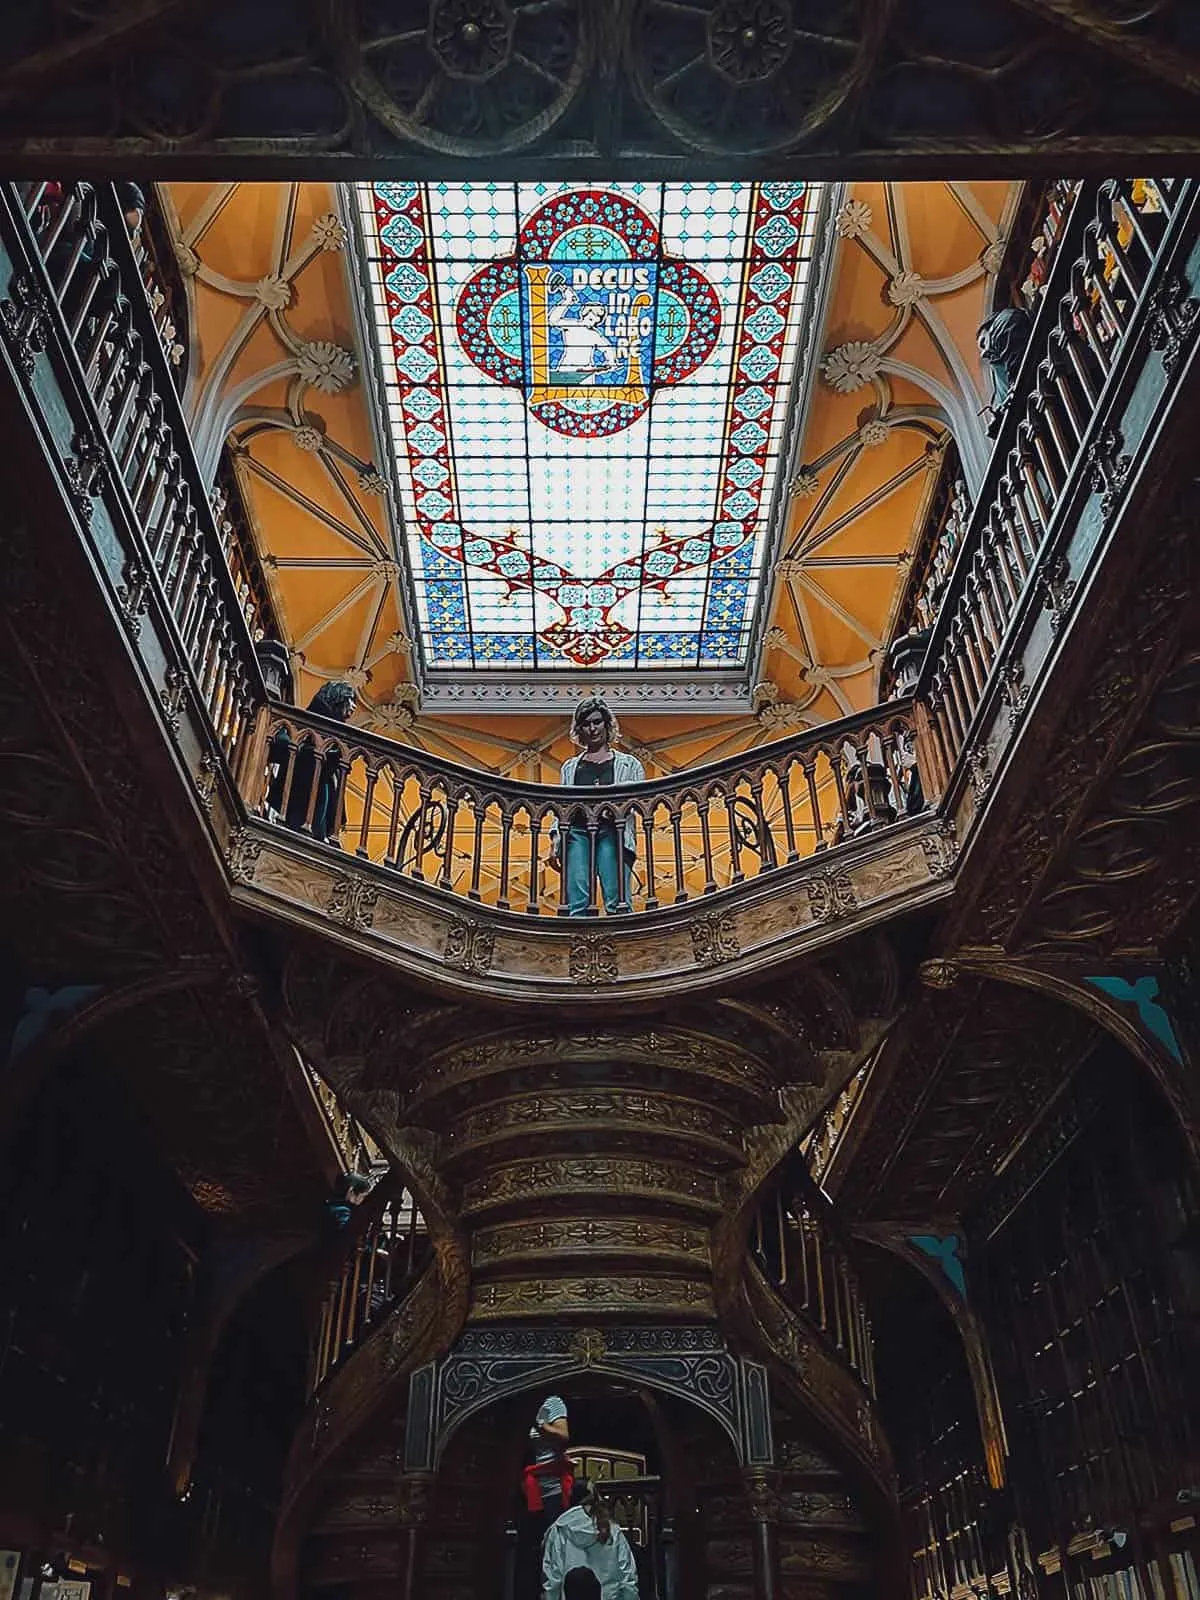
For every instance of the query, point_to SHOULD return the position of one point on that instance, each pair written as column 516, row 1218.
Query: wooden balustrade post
column 416, row 1504
column 930, row 764
column 762, row 1494
column 250, row 764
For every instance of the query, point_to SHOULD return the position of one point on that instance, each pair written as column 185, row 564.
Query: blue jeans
column 612, row 869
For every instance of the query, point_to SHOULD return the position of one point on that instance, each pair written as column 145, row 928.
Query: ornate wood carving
column 491, row 88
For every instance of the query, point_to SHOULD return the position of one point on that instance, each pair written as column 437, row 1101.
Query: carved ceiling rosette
column 751, row 76
column 468, row 77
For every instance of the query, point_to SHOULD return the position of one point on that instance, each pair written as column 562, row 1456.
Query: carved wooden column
column 762, row 1495
column 415, row 1500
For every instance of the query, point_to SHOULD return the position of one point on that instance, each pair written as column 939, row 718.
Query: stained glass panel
column 587, row 391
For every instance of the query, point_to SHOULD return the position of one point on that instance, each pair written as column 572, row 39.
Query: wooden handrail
column 796, row 1245
column 502, row 842
column 78, row 233
column 387, row 1257
column 1103, row 268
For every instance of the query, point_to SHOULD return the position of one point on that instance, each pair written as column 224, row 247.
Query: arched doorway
column 660, row 1454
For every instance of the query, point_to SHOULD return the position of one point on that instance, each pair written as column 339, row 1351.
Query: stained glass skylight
column 586, row 391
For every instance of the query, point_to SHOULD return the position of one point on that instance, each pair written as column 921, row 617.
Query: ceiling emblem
column 587, row 393
column 589, row 317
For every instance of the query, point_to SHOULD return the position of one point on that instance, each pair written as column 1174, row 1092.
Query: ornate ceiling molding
column 453, row 87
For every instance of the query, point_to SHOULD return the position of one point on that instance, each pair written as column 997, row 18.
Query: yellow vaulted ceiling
column 275, row 374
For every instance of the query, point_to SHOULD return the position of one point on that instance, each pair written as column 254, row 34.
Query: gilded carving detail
column 605, row 1235
column 1058, row 590
column 588, row 1345
column 1109, row 467
column 469, row 945
column 593, row 959
column 133, row 595
column 979, row 760
column 590, row 1175
column 171, row 697
column 831, row 896
column 242, row 856
column 714, row 939
column 597, row 1105
column 941, row 850
column 1173, row 314
column 352, row 901
column 538, row 1296
column 1014, row 691
column 25, row 320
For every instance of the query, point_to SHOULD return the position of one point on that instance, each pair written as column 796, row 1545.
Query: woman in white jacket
column 587, row 1537
column 605, row 853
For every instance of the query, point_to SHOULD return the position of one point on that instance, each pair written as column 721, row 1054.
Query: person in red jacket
column 547, row 1479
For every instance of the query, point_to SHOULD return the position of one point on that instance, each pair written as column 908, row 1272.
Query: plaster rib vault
column 278, row 374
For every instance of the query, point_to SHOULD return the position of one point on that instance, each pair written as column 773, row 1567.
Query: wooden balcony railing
column 96, row 279
column 795, row 1244
column 388, row 1256
column 490, row 840
column 1102, row 269
column 497, row 841
column 358, row 1151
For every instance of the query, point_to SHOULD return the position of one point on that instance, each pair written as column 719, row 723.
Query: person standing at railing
column 605, row 852
column 295, row 768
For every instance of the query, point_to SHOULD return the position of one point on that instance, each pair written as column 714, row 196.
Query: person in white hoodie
column 586, row 1536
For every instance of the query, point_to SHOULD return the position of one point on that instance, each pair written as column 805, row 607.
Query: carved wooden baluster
column 978, row 622
column 959, row 695
column 592, row 822
column 535, row 833
column 446, row 878
column 992, row 630
column 103, row 364
column 1029, row 532
column 68, row 215
column 705, row 822
column 836, row 760
column 1032, row 495
column 806, row 1287
column 861, row 752
column 1004, row 583
column 1077, row 355
column 418, row 836
column 197, row 619
column 158, row 445
column 473, row 893
column 166, row 537
column 767, row 856
column 76, row 323
column 967, row 663
column 677, row 840
column 1064, row 448
column 355, row 1312
column 339, row 1320
column 209, row 662
column 648, row 836
column 783, row 783
column 506, row 823
column 809, row 765
column 1076, row 419
column 391, row 1224
column 362, row 848
column 975, row 641
column 133, row 424
column 1054, row 479
column 888, row 740
column 375, row 1237
column 781, row 1237
column 735, row 843
column 389, row 855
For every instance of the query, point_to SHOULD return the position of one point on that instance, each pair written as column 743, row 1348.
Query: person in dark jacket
column 296, row 768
